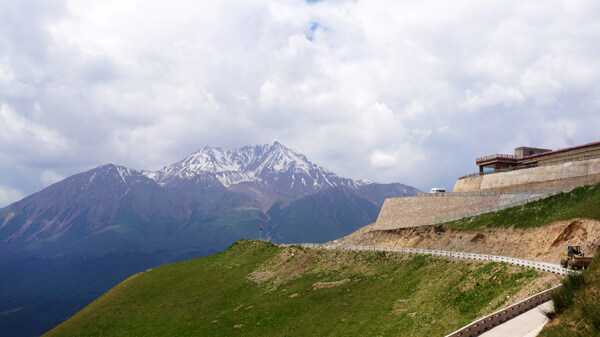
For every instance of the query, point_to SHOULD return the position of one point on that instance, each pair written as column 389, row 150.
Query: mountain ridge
column 98, row 197
column 84, row 226
column 259, row 163
column 95, row 196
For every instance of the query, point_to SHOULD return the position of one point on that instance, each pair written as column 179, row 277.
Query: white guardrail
column 552, row 268
column 485, row 323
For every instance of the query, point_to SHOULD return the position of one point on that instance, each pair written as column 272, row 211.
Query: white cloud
column 9, row 195
column 382, row 159
column 27, row 135
column 384, row 90
column 492, row 95
column 50, row 177
column 542, row 80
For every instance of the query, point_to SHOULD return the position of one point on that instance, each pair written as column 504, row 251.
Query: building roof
column 565, row 150
column 497, row 157
column 508, row 158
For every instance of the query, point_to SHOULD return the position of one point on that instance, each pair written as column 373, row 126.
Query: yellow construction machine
column 573, row 258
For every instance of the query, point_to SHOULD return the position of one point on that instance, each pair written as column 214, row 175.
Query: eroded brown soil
column 543, row 244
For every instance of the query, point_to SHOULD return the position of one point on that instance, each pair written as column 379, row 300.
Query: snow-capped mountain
column 100, row 226
column 273, row 167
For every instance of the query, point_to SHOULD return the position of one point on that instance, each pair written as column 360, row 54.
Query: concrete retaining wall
column 551, row 177
column 511, row 199
column 428, row 209
column 416, row 211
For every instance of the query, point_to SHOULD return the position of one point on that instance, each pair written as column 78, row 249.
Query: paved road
column 527, row 324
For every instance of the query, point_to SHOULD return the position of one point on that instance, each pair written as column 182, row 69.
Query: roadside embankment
column 544, row 243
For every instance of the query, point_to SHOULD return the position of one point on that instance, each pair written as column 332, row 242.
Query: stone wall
column 552, row 177
column 510, row 199
column 416, row 211
column 429, row 209
column 485, row 193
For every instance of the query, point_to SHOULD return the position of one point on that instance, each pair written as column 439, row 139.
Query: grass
column 581, row 202
column 577, row 305
column 258, row 289
column 563, row 297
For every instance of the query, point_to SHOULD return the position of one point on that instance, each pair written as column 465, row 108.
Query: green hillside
column 258, row 289
column 577, row 309
column 581, row 202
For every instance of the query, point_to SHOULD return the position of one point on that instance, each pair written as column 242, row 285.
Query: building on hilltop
column 535, row 169
column 495, row 162
column 502, row 181
column 526, row 157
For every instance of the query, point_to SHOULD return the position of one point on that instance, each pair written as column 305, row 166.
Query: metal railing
column 497, row 155
column 495, row 192
column 508, row 169
column 552, row 268
column 485, row 323
column 538, row 164
column 569, row 160
column 452, row 194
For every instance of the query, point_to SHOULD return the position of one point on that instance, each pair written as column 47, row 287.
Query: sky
column 390, row 91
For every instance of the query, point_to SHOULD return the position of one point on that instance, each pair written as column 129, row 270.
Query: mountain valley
column 110, row 222
column 258, row 289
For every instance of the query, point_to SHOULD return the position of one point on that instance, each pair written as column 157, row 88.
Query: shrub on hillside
column 563, row 297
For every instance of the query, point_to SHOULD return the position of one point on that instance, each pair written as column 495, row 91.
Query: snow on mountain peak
column 363, row 182
column 260, row 163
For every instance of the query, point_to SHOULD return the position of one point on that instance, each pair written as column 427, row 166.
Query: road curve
column 528, row 324
column 518, row 320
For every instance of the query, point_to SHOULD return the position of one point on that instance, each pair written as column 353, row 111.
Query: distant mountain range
column 90, row 223
column 265, row 173
column 261, row 163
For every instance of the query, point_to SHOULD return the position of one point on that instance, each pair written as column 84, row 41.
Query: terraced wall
column 550, row 177
column 427, row 209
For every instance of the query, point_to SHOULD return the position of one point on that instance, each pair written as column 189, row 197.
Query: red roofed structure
column 526, row 157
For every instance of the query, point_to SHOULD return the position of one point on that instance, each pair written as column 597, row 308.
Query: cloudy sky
column 392, row 91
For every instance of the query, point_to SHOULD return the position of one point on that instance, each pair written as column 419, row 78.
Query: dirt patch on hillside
column 291, row 262
column 537, row 244
column 323, row 285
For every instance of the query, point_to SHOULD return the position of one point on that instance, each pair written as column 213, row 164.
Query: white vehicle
column 437, row 190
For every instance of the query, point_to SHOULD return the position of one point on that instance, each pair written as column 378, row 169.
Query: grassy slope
column 582, row 202
column 199, row 297
column 582, row 317
column 321, row 217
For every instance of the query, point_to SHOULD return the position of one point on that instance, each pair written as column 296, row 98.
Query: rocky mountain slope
column 208, row 185
column 266, row 163
column 82, row 227
column 85, row 203
column 264, row 172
